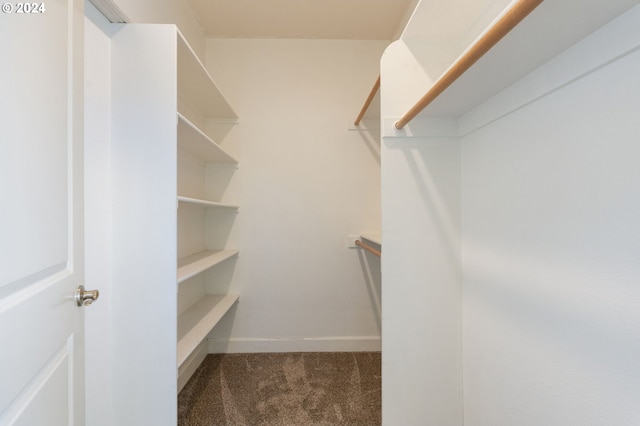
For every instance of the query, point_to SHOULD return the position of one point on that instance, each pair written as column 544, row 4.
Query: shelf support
column 372, row 94
column 498, row 30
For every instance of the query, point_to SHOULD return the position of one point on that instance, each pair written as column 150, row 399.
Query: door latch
column 85, row 297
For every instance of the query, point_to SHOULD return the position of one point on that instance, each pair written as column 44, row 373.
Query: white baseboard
column 296, row 344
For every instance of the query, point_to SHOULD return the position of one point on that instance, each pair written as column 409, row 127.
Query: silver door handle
column 85, row 297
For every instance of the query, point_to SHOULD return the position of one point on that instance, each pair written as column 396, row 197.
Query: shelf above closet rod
column 372, row 94
column 516, row 13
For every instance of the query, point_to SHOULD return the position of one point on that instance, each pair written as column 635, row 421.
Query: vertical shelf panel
column 143, row 238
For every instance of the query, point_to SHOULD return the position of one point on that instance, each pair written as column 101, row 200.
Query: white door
column 41, row 218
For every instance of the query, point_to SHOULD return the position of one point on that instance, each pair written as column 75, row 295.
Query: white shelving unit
column 164, row 216
column 199, row 310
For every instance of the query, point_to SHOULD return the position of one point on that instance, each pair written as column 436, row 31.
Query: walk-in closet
column 245, row 177
column 321, row 212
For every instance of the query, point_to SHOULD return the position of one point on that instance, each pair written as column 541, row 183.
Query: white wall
column 551, row 243
column 304, row 182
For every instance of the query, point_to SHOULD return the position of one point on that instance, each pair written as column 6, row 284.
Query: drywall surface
column 551, row 241
column 422, row 291
column 305, row 181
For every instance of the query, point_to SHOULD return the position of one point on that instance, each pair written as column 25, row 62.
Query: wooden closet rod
column 506, row 23
column 368, row 248
column 375, row 88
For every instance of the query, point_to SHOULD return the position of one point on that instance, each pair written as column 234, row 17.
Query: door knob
column 85, row 297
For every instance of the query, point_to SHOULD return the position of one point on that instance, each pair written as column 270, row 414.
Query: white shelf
column 195, row 324
column 193, row 265
column 549, row 30
column 206, row 203
column 373, row 236
column 196, row 87
column 193, row 140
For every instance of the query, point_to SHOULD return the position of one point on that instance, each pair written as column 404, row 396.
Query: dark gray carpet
column 284, row 389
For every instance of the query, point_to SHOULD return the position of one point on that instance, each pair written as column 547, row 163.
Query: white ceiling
column 318, row 19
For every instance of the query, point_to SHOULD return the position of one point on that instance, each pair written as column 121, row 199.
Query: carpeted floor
column 284, row 389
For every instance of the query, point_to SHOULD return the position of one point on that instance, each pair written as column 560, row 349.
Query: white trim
column 296, row 344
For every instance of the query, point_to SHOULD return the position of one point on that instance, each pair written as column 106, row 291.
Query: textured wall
column 304, row 182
